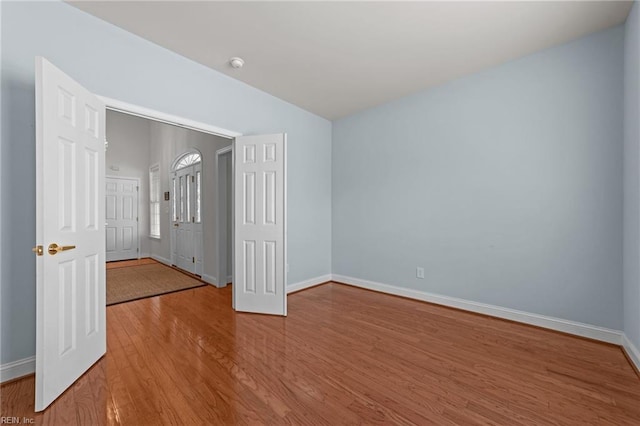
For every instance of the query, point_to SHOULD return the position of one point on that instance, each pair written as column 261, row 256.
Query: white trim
column 209, row 279
column 161, row 259
column 155, row 168
column 220, row 202
column 308, row 283
column 552, row 323
column 19, row 368
column 139, row 111
column 233, row 220
column 229, row 279
column 632, row 351
column 222, row 151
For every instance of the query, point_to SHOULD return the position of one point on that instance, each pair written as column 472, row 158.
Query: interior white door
column 70, row 279
column 121, row 214
column 259, row 279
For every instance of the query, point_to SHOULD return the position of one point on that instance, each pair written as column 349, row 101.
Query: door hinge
column 193, row 219
column 137, row 188
column 137, row 219
column 193, row 179
column 137, row 250
column 193, row 259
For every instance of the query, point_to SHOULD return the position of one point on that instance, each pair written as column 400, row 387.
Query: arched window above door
column 186, row 160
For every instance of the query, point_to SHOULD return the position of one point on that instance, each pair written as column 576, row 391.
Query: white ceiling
column 336, row 58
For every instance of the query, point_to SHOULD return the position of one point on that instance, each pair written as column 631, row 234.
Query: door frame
column 221, row 201
column 143, row 112
column 137, row 206
column 162, row 117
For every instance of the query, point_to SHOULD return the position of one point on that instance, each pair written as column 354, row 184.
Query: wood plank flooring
column 342, row 356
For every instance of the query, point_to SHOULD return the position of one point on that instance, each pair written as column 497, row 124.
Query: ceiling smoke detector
column 236, row 62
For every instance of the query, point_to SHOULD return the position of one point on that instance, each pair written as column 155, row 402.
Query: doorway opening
column 177, row 210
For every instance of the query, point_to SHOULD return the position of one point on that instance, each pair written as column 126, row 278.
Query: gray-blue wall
column 506, row 186
column 117, row 64
column 632, row 177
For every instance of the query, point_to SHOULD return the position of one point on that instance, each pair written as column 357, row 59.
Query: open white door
column 260, row 194
column 70, row 232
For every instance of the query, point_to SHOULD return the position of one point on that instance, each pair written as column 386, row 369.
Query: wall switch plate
column 420, row 272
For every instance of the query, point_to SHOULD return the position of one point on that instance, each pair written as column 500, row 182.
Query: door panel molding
column 260, row 231
column 70, row 211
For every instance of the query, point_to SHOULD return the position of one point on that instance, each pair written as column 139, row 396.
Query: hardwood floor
column 342, row 356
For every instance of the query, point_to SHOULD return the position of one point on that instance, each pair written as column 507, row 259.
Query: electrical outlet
column 420, row 272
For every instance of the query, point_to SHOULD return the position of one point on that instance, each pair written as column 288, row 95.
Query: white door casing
column 259, row 279
column 224, row 208
column 121, row 214
column 70, row 211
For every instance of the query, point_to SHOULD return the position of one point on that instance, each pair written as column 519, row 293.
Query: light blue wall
column 506, row 186
column 632, row 177
column 117, row 64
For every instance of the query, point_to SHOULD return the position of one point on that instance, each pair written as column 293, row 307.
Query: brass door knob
column 55, row 249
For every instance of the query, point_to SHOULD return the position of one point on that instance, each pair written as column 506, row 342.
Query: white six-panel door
column 121, row 214
column 70, row 197
column 260, row 224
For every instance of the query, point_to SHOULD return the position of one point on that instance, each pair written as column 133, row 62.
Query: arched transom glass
column 188, row 160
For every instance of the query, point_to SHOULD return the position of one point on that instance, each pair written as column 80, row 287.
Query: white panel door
column 70, row 279
column 259, row 283
column 121, row 214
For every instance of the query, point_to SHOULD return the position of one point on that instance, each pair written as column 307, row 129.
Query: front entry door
column 122, row 218
column 260, row 190
column 187, row 240
column 70, row 232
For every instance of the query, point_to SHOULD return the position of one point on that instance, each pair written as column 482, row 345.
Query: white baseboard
column 552, row 323
column 209, row 279
column 229, row 279
column 143, row 255
column 308, row 283
column 161, row 259
column 15, row 369
column 632, row 351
